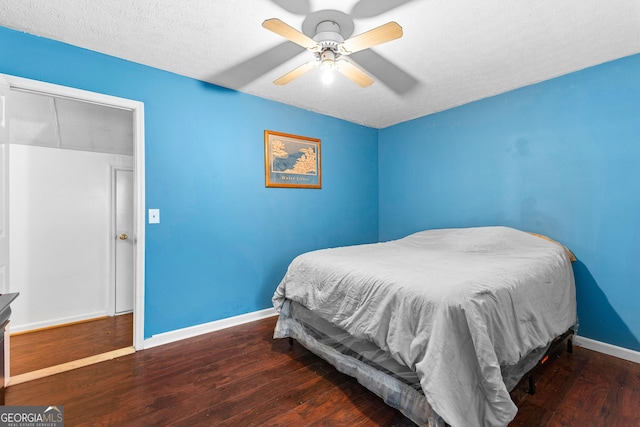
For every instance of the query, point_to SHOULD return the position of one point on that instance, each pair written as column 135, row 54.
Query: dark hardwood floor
column 242, row 377
column 32, row 351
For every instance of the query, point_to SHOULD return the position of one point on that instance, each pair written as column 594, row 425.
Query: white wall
column 60, row 219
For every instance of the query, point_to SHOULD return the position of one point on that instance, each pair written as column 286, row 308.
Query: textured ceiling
column 452, row 52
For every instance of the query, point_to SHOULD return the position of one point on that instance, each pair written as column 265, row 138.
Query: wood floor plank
column 44, row 348
column 295, row 394
column 347, row 404
column 236, row 404
column 597, row 395
column 288, row 419
column 582, row 406
column 629, row 405
column 530, row 414
column 242, row 377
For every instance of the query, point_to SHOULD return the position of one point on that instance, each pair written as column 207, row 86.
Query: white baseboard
column 611, row 350
column 15, row 328
column 205, row 328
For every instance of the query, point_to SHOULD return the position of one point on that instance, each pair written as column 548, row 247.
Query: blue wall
column 560, row 158
column 225, row 240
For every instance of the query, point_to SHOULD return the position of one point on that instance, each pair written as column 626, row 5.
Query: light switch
column 154, row 216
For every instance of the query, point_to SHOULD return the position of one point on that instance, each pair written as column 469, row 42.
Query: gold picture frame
column 292, row 161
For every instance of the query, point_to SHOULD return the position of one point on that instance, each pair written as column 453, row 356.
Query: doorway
column 134, row 302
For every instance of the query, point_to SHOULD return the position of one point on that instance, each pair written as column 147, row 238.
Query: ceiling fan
column 331, row 50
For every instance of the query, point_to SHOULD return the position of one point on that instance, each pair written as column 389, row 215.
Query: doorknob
column 123, row 236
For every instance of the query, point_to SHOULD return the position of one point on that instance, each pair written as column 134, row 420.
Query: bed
column 440, row 324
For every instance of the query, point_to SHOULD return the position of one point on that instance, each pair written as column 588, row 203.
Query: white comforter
column 453, row 304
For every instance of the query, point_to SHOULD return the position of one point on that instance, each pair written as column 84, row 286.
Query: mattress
column 458, row 307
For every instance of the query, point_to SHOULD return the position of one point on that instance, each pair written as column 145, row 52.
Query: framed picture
column 292, row 161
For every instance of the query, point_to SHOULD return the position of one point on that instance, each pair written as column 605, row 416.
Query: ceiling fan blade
column 382, row 34
column 385, row 71
column 289, row 33
column 354, row 73
column 295, row 73
column 249, row 70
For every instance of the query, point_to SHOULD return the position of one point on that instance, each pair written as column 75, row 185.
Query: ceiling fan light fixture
column 327, row 60
column 327, row 76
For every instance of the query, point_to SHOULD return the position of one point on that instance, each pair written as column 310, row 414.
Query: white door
column 125, row 240
column 4, row 186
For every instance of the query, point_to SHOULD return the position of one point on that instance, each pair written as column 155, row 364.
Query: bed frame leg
column 554, row 345
column 290, row 341
column 532, row 385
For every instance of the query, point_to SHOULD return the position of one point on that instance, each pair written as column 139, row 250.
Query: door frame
column 137, row 108
column 114, row 168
